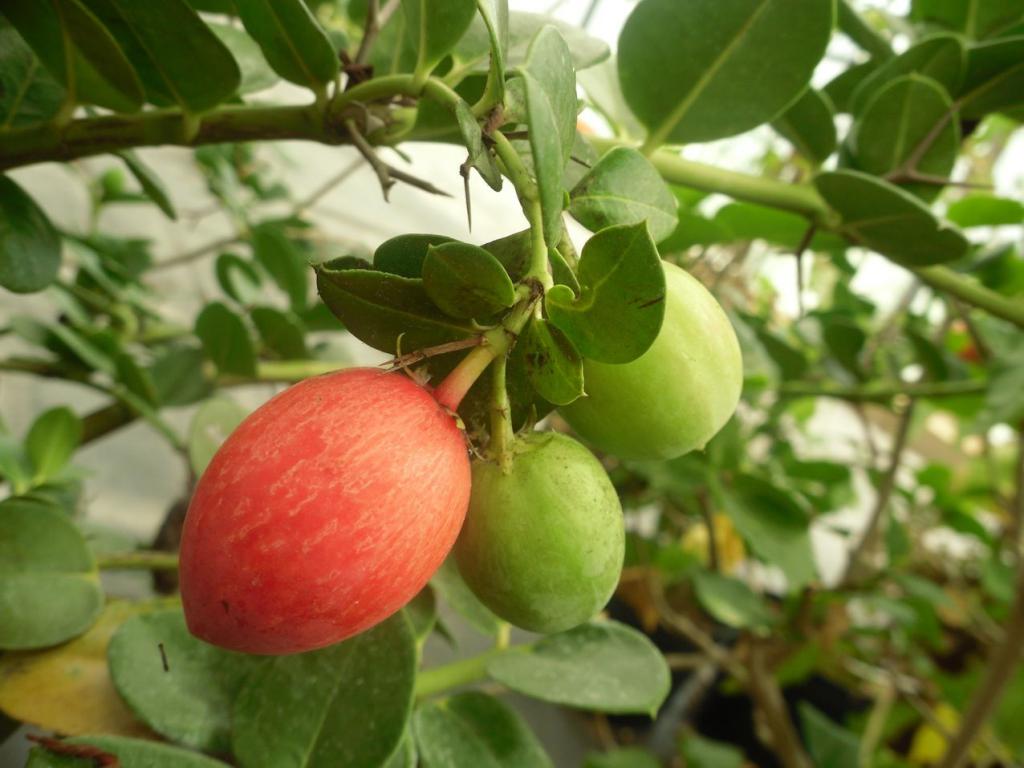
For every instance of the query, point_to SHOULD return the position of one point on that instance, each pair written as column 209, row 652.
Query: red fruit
column 323, row 513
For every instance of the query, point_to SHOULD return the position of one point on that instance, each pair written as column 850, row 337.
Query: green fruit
column 674, row 397
column 542, row 545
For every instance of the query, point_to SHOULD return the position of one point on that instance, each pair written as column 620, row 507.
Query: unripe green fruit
column 542, row 545
column 678, row 394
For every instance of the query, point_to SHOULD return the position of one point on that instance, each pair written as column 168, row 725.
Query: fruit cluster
column 334, row 503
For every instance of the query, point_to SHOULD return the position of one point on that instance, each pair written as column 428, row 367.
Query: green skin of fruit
column 542, row 546
column 678, row 394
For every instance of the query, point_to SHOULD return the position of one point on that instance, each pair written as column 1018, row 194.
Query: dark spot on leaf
column 652, row 302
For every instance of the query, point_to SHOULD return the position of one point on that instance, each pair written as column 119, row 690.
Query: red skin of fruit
column 323, row 513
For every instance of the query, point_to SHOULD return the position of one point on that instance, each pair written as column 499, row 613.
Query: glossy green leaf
column 256, row 72
column 602, row 666
column 465, row 281
column 994, row 79
column 51, row 440
column 550, row 87
column 745, row 62
column 404, row 255
column 386, row 311
column 886, row 219
column 474, row 730
column 281, row 259
column 774, row 526
column 627, row 757
column 941, row 58
column 731, row 601
column 624, row 188
column 226, row 340
column 49, row 587
column 973, row 19
column 28, row 92
column 622, row 301
column 479, row 154
column 435, row 26
column 828, row 743
column 981, row 210
column 898, row 118
column 29, row 245
column 190, row 700
column 211, row 425
column 281, row 332
column 79, row 52
column 705, row 753
column 809, row 125
column 152, row 186
column 294, row 43
column 131, row 753
column 238, row 278
column 453, row 590
column 191, row 68
column 346, row 705
column 553, row 366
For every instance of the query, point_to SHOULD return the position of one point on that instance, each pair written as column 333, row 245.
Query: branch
column 140, row 560
column 883, row 392
column 764, row 690
column 972, row 293
column 867, row 38
column 1004, row 659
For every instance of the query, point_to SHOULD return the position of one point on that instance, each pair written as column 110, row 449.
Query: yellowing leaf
column 50, row 688
column 728, row 543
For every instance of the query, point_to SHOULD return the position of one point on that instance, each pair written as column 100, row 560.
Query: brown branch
column 765, row 692
column 422, row 354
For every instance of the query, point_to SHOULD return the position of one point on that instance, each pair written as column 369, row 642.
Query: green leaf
column 465, row 281
column 211, row 425
column 226, row 340
column 624, row 188
column 177, row 372
column 435, row 27
column 238, row 278
column 494, row 14
column 404, row 255
column 473, row 50
column 553, row 366
column 774, row 526
column 809, row 125
column 705, row 753
column 884, row 218
column 748, row 221
column 51, row 440
column 731, row 601
column 745, row 62
column 78, row 51
column 295, row 44
column 28, row 93
column 602, row 666
column 422, row 613
column 191, row 68
column 343, row 705
column 453, row 590
column 386, row 311
column 941, row 58
column 281, row 332
column 151, row 185
column 189, row 701
column 276, row 253
column 550, row 87
column 479, row 155
column 892, row 124
column 841, row 88
column 829, row 744
column 622, row 301
column 14, row 464
column 132, row 753
column 994, row 79
column 980, row 210
column 474, row 730
column 256, row 72
column 629, row 757
column 975, row 20
column 49, row 587
column 29, row 245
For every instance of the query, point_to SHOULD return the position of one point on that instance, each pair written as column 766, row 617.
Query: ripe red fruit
column 323, row 513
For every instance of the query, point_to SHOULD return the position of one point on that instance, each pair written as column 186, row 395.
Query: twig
column 913, row 160
column 196, row 253
column 885, row 489
column 802, row 246
column 320, row 192
column 709, row 523
column 875, row 728
column 869, row 438
column 370, row 31
column 404, row 361
column 766, row 693
column 386, row 174
column 1006, row 656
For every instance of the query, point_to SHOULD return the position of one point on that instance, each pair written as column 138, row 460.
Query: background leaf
column 293, row 41
column 211, row 425
column 29, row 245
column 29, row 94
column 226, row 340
column 435, row 26
column 809, row 125
column 51, row 440
column 130, row 752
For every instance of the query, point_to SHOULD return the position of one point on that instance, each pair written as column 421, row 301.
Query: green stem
column 798, row 198
column 501, row 416
column 866, row 37
column 431, row 682
column 972, row 293
column 138, row 561
column 883, row 392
